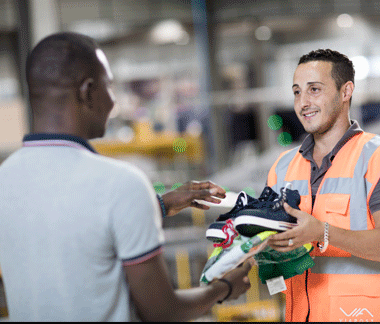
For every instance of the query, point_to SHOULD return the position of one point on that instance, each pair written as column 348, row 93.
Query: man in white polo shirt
column 81, row 234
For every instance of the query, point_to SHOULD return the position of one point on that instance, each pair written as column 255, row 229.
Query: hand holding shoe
column 309, row 229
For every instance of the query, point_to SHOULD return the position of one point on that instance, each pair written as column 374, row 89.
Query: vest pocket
column 337, row 204
column 337, row 210
column 354, row 298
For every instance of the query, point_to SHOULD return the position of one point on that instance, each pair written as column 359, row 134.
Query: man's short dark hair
column 62, row 60
column 342, row 68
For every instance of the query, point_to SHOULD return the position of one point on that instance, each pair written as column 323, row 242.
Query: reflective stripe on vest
column 281, row 169
column 351, row 265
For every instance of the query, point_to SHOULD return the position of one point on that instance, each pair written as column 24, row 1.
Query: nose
column 304, row 100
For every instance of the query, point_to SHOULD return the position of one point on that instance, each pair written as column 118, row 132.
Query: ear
column 85, row 91
column 348, row 89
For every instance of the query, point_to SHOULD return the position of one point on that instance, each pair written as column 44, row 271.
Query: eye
column 314, row 89
column 296, row 92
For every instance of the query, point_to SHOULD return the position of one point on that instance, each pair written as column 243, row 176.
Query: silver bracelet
column 323, row 246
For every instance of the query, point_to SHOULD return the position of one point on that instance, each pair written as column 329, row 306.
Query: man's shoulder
column 107, row 165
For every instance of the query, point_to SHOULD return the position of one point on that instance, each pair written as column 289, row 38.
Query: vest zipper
column 307, row 296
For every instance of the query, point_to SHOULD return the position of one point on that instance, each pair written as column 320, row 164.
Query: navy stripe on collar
column 65, row 137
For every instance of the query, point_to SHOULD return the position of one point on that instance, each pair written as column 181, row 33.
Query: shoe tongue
column 293, row 198
column 268, row 194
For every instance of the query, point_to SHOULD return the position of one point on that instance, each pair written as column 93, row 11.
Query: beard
column 326, row 118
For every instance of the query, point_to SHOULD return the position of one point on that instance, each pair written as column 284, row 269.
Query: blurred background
column 204, row 92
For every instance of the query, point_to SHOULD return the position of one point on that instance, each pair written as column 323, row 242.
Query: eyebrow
column 309, row 83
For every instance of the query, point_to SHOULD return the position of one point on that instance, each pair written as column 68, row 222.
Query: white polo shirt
column 69, row 220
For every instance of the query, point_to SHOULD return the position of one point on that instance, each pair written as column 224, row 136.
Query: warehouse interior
column 203, row 92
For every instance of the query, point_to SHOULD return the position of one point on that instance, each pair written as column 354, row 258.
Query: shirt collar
column 307, row 145
column 47, row 139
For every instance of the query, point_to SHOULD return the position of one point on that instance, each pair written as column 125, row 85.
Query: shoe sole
column 252, row 225
column 215, row 235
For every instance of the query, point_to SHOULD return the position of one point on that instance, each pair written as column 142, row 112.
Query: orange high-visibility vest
column 340, row 287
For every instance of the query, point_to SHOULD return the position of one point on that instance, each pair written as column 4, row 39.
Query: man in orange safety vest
column 336, row 171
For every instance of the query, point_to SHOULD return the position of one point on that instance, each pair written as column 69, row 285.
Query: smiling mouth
column 311, row 114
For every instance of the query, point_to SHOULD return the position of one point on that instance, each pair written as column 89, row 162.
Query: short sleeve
column 374, row 201
column 136, row 220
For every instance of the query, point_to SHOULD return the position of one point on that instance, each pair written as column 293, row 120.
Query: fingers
column 247, row 266
column 205, row 195
column 239, row 279
column 283, row 248
column 252, row 261
column 292, row 211
column 199, row 206
column 308, row 229
column 289, row 244
column 200, row 185
column 289, row 210
column 285, row 242
column 289, row 234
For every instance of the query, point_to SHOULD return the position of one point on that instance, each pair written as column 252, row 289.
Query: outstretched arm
column 364, row 244
column 156, row 300
column 186, row 195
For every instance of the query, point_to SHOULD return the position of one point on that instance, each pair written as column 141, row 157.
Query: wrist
column 321, row 231
column 162, row 206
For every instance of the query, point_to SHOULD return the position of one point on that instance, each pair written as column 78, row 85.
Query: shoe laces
column 230, row 232
column 279, row 203
column 268, row 194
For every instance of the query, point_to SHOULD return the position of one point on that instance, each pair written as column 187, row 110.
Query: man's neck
column 325, row 143
column 56, row 124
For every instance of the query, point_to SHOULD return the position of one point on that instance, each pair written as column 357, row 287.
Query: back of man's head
column 342, row 68
column 62, row 60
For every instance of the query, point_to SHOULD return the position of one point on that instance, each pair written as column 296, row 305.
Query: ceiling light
column 344, row 21
column 169, row 31
column 361, row 66
column 263, row 33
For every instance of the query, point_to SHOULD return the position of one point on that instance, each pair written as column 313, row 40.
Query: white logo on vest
column 355, row 313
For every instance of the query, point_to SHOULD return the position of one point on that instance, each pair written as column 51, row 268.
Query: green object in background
column 284, row 139
column 159, row 187
column 176, row 185
column 250, row 191
column 275, row 122
column 179, row 145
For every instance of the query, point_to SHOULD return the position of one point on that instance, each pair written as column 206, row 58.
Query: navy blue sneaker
column 269, row 216
column 267, row 195
column 215, row 232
